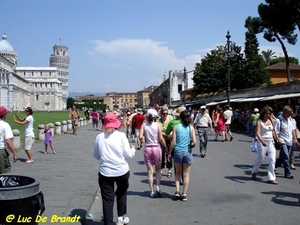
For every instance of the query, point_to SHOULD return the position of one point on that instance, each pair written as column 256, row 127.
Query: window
column 179, row 87
column 37, row 97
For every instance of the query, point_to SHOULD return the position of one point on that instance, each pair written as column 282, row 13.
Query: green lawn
column 40, row 117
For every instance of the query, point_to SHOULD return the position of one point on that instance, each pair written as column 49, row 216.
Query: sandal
column 177, row 195
column 29, row 161
column 169, row 174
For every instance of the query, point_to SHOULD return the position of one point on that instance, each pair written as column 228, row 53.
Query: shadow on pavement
column 243, row 166
column 243, row 179
column 91, row 222
column 146, row 194
column 141, row 173
column 141, row 162
column 282, row 198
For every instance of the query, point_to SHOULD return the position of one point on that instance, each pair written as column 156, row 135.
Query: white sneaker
column 125, row 221
column 152, row 194
column 158, row 192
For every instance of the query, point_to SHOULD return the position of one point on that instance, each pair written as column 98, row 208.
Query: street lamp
column 185, row 84
column 229, row 54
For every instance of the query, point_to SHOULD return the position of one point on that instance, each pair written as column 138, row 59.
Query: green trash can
column 21, row 200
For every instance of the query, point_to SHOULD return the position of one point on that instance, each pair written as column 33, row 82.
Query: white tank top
column 266, row 131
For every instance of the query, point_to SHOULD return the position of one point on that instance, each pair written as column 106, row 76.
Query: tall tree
column 209, row 75
column 268, row 56
column 273, row 24
column 70, row 102
column 254, row 72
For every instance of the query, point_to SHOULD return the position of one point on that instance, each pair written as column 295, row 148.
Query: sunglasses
column 165, row 113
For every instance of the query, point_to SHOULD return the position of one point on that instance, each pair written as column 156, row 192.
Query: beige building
column 143, row 97
column 118, row 100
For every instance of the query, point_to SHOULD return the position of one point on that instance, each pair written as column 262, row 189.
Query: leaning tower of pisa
column 60, row 59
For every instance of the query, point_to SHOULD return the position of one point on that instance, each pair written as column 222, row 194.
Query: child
column 48, row 139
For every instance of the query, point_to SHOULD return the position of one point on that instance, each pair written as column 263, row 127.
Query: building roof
column 282, row 65
column 5, row 46
column 88, row 98
column 148, row 89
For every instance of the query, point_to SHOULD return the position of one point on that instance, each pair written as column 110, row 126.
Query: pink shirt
column 95, row 116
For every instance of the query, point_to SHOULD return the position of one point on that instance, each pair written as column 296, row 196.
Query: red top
column 138, row 120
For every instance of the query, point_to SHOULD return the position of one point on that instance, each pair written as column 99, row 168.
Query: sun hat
column 152, row 112
column 3, row 111
column 139, row 111
column 256, row 110
column 203, row 107
column 178, row 111
column 111, row 121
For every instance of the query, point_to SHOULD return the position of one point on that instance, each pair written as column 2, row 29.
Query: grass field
column 40, row 117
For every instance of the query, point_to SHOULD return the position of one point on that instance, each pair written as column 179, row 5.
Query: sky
column 125, row 46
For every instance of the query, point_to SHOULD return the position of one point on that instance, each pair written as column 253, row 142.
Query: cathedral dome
column 5, row 46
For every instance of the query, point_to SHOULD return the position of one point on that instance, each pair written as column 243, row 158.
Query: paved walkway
column 221, row 190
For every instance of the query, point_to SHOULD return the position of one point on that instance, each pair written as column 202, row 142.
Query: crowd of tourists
column 167, row 137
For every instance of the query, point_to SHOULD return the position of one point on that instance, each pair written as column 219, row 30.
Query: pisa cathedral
column 42, row 88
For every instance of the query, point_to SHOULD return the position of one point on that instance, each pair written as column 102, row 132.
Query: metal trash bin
column 21, row 201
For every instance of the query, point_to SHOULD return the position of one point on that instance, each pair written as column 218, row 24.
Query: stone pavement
column 221, row 190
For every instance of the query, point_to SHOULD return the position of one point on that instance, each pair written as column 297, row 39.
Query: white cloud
column 137, row 63
column 144, row 52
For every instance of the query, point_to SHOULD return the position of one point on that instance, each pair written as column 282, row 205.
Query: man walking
column 137, row 121
column 285, row 128
column 74, row 116
column 201, row 123
column 6, row 136
column 228, row 115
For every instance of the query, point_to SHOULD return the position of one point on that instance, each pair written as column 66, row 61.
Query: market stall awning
column 293, row 95
column 250, row 99
column 212, row 103
column 274, row 97
column 231, row 100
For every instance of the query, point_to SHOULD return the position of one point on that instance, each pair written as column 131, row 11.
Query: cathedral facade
column 42, row 88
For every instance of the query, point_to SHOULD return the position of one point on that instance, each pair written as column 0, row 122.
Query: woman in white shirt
column 111, row 148
column 29, row 134
column 265, row 133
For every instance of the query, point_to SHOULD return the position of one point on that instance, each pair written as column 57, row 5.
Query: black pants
column 164, row 162
column 108, row 194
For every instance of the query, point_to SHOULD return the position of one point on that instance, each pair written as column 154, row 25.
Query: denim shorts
column 183, row 157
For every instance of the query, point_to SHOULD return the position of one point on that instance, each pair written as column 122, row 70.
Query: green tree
column 70, row 102
column 253, row 72
column 268, row 56
column 282, row 59
column 273, row 24
column 209, row 75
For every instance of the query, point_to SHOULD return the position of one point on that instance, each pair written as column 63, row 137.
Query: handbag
column 254, row 145
column 277, row 144
column 192, row 144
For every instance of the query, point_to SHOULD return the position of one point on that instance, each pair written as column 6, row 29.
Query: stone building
column 42, row 88
column 120, row 100
column 143, row 97
column 169, row 91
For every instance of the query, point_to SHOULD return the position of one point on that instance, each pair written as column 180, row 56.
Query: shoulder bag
column 192, row 144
